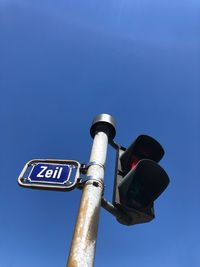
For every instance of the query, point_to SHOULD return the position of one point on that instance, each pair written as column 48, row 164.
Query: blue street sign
column 50, row 173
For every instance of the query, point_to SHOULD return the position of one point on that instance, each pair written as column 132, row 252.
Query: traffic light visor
column 144, row 147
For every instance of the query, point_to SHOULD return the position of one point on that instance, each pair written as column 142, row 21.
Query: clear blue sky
column 62, row 63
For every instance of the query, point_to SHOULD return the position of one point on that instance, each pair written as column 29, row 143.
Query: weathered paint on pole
column 85, row 234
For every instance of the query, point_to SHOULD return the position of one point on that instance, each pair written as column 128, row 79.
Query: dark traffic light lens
column 142, row 185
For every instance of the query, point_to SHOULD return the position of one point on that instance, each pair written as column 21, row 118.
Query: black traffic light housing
column 139, row 180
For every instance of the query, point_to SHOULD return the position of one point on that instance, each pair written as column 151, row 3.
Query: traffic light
column 139, row 180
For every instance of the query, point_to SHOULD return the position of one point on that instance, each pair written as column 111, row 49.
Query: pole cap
column 104, row 123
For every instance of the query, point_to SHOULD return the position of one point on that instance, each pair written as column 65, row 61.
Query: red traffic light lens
column 134, row 162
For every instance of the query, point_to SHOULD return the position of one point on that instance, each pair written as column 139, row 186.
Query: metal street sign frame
column 64, row 186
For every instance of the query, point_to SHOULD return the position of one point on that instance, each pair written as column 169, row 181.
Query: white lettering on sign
column 50, row 173
column 40, row 173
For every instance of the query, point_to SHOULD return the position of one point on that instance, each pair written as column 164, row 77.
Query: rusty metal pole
column 85, row 234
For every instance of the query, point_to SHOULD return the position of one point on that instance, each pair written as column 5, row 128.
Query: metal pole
column 85, row 234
